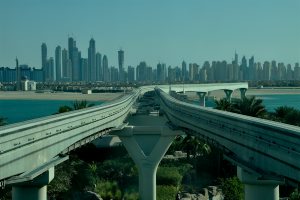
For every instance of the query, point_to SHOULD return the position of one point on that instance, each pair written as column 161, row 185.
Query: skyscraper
column 58, row 68
column 44, row 58
column 66, row 66
column 18, row 75
column 84, row 69
column 161, row 72
column 99, row 70
column 184, row 74
column 121, row 65
column 92, row 61
column 49, row 70
column 105, row 69
column 130, row 74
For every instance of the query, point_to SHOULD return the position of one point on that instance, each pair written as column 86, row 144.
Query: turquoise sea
column 273, row 101
column 22, row 110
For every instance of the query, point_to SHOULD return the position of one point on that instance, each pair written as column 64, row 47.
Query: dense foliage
column 232, row 188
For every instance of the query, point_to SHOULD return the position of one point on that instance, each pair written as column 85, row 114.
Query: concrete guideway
column 26, row 145
column 266, row 150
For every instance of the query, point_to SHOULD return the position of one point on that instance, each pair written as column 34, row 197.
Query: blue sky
column 168, row 31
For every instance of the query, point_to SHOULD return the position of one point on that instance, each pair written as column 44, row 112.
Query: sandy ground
column 58, row 96
column 252, row 91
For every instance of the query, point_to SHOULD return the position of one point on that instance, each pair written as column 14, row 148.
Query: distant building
column 131, row 78
column 141, row 72
column 18, row 76
column 99, row 70
column 121, row 65
column 92, row 61
column 44, row 57
column 28, row 85
column 105, row 69
column 266, row 71
column 66, row 66
column 84, row 69
column 58, row 68
column 49, row 70
column 161, row 72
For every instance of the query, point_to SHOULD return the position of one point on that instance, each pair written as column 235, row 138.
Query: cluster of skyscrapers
column 69, row 66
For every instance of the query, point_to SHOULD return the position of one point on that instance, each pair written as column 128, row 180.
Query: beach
column 31, row 95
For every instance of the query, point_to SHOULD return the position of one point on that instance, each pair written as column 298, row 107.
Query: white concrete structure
column 26, row 145
column 265, row 150
column 27, row 85
column 147, row 145
column 268, row 148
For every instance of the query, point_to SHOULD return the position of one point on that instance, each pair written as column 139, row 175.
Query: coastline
column 31, row 95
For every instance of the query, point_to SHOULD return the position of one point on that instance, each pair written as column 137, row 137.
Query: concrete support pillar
column 258, row 188
column 243, row 92
column 35, row 189
column 228, row 94
column 202, row 98
column 147, row 145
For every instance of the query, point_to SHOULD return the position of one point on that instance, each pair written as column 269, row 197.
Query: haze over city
column 156, row 31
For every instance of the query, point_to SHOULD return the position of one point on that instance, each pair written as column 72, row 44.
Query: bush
column 232, row 188
column 168, row 176
column 295, row 195
column 108, row 190
column 166, row 192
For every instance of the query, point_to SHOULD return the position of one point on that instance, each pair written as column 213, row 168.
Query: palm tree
column 77, row 105
column 282, row 111
column 250, row 106
column 224, row 104
column 3, row 121
column 194, row 146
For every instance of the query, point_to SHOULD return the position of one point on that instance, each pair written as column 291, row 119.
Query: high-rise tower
column 105, row 69
column 58, row 68
column 92, row 61
column 44, row 58
column 99, row 70
column 121, row 65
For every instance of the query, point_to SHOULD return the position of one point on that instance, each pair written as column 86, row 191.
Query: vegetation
column 77, row 105
column 3, row 121
column 246, row 106
column 232, row 188
column 166, row 192
column 286, row 114
column 224, row 104
column 295, row 195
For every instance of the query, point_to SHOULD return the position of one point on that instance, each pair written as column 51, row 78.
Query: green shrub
column 131, row 196
column 295, row 195
column 166, row 192
column 108, row 190
column 232, row 188
column 168, row 176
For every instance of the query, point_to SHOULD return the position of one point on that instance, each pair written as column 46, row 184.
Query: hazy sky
column 152, row 30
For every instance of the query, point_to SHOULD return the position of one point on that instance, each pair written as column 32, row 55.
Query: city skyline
column 152, row 31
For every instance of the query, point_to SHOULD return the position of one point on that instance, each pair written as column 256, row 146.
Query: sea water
column 22, row 110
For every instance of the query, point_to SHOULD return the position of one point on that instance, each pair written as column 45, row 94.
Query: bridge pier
column 202, row 98
column 35, row 189
column 147, row 145
column 228, row 94
column 258, row 188
column 243, row 92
